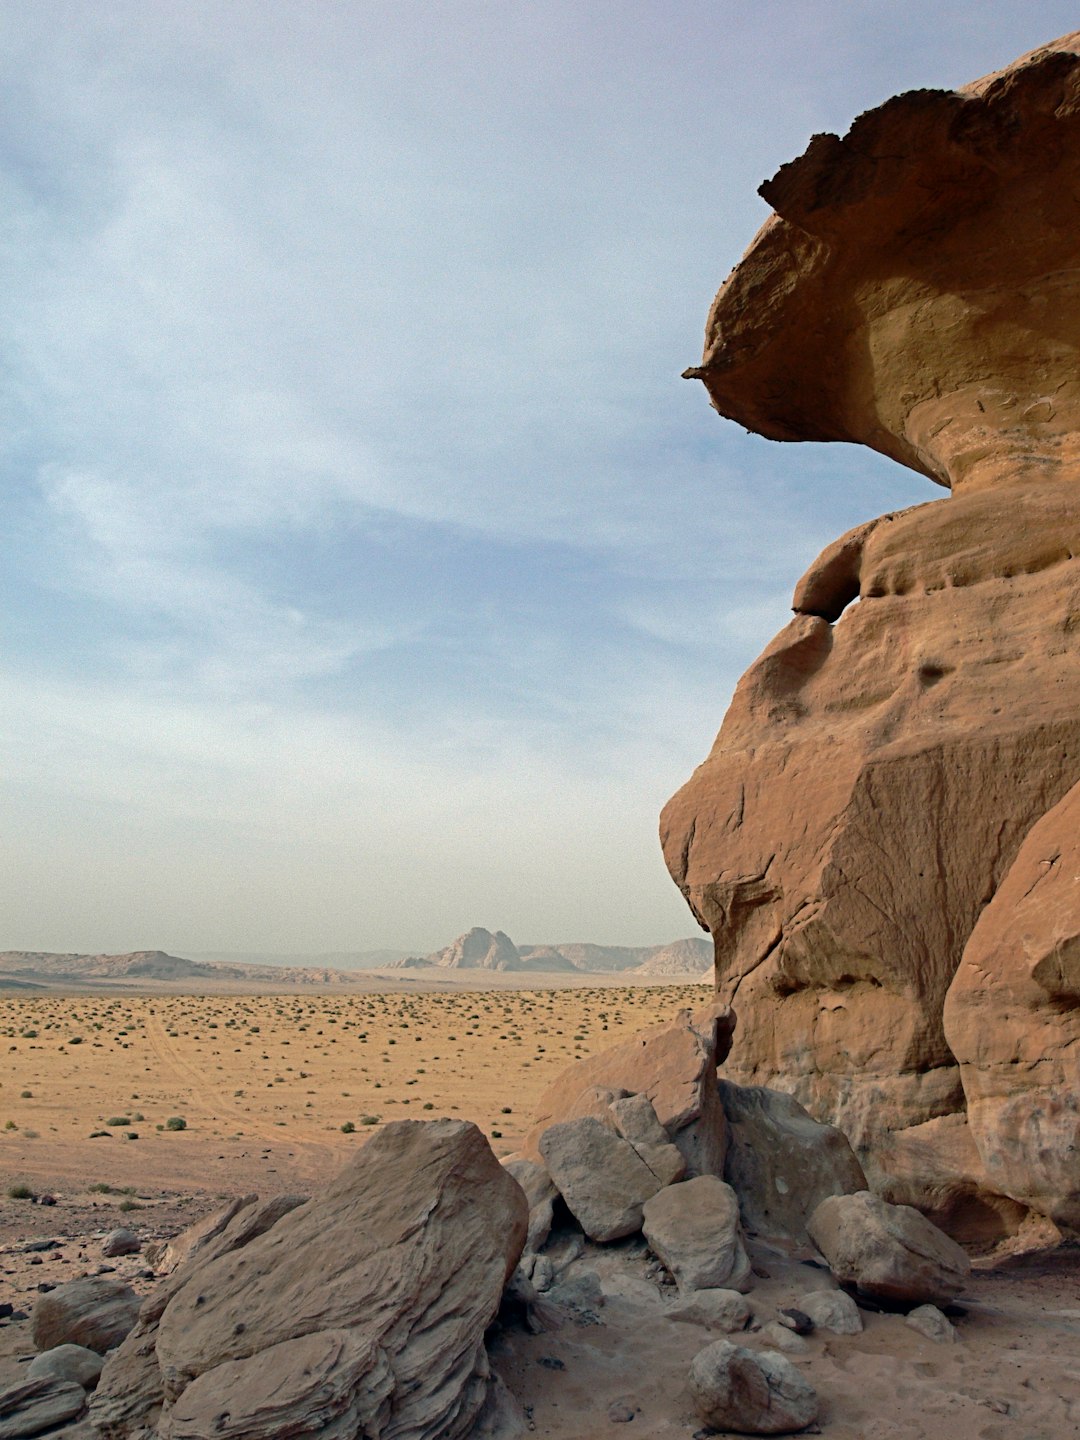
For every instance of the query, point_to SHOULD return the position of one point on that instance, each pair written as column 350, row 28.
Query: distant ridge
column 480, row 949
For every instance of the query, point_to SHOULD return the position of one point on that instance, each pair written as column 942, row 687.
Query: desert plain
column 276, row 1091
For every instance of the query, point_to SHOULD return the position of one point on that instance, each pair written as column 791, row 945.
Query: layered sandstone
column 917, row 291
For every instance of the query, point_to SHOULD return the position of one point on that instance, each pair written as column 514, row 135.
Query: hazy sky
column 368, row 571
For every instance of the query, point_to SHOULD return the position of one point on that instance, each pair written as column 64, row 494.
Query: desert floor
column 264, row 1084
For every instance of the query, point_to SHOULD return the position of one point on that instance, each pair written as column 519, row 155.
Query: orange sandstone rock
column 918, row 291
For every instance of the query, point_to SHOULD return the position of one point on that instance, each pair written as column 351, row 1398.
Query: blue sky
column 368, row 571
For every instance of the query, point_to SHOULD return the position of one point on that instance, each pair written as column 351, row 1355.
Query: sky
column 368, row 572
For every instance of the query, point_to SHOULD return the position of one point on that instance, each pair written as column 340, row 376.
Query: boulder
column 120, row 1242
column 68, row 1362
column 715, row 1309
column 694, row 1229
column 882, row 762
column 601, row 1177
column 931, row 1323
column 37, row 1404
column 832, row 1310
column 1012, row 1019
column 890, row 1252
column 370, row 1299
column 674, row 1066
column 781, row 1162
column 752, row 1392
column 541, row 1194
column 636, row 1121
column 94, row 1312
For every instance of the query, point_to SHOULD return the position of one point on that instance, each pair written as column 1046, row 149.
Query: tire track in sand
column 212, row 1104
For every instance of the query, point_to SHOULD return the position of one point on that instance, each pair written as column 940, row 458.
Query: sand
column 264, row 1085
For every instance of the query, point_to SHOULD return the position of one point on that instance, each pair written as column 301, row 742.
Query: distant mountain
column 155, row 965
column 480, row 949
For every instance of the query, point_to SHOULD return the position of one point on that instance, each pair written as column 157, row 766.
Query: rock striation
column 885, row 764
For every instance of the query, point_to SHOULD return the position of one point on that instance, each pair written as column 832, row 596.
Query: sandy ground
column 265, row 1083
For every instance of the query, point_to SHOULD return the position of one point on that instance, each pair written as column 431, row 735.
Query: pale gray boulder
column 888, row 1251
column 68, row 1362
column 95, row 1312
column 636, row 1121
column 600, row 1175
column 369, row 1301
column 694, row 1229
column 832, row 1310
column 752, row 1392
column 932, row 1324
column 541, row 1194
column 725, row 1310
column 781, row 1162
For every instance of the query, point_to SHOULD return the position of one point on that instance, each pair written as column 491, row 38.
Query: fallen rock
column 755, row 1393
column 930, row 1322
column 781, row 1162
column 796, row 1320
column 888, row 1251
column 120, row 1242
column 636, row 1121
column 600, row 1176
column 68, row 1362
column 541, row 1194
column 674, row 1066
column 832, row 1310
column 35, row 1405
column 694, row 1229
column 782, row 1337
column 716, row 1309
column 370, row 1299
column 92, row 1312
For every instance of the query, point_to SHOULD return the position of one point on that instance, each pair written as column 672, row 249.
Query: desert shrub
column 348, row 1128
column 26, row 1095
column 370, row 1119
column 20, row 1192
column 126, row 1206
column 100, row 1135
column 116, row 1121
column 176, row 1122
column 428, row 1105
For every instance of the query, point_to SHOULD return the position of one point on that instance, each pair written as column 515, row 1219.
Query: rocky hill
column 883, row 839
column 481, row 949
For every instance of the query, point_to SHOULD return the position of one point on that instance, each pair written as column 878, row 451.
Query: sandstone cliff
column 882, row 765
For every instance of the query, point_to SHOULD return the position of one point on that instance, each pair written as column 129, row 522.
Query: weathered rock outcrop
column 673, row 1066
column 917, row 291
column 360, row 1312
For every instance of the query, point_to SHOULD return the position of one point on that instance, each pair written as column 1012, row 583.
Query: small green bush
column 370, row 1119
column 20, row 1192
column 126, row 1206
column 116, row 1121
column 176, row 1122
column 348, row 1128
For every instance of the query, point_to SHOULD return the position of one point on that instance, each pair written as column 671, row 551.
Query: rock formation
column 360, row 1312
column 882, row 765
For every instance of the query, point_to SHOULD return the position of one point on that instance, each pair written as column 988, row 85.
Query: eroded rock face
column 1012, row 1018
column 360, row 1312
column 881, row 764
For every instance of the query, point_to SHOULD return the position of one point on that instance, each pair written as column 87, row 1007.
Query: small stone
column 930, row 1322
column 832, row 1310
column 796, row 1320
column 74, row 1363
column 621, row 1412
column 121, row 1242
column 551, row 1362
column 784, row 1339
